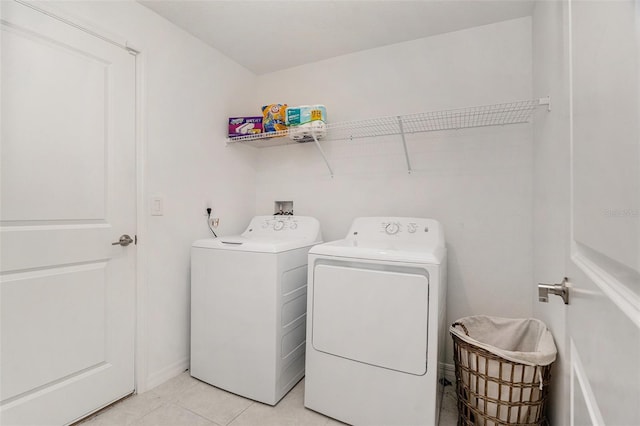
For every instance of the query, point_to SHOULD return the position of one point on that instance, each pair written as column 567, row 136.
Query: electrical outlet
column 208, row 208
column 214, row 222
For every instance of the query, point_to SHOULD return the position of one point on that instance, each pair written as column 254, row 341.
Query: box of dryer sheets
column 243, row 126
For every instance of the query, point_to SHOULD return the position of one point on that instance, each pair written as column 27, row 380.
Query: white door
column 603, row 317
column 67, row 192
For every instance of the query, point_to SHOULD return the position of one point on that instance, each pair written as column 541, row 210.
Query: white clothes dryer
column 376, row 323
column 248, row 307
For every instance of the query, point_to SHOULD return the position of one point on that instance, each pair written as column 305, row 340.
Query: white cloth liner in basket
column 525, row 341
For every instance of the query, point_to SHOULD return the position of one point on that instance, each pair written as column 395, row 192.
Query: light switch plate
column 157, row 206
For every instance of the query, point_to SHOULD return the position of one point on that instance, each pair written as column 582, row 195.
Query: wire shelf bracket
column 434, row 121
column 324, row 157
column 404, row 144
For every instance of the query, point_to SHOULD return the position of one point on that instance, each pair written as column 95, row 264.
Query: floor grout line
column 138, row 419
column 198, row 414
column 240, row 413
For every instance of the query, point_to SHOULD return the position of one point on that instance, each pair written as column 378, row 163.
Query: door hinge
column 135, row 239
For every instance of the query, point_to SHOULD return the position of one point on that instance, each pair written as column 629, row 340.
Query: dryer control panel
column 393, row 227
column 410, row 229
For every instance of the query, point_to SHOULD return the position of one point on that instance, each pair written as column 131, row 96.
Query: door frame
column 140, row 328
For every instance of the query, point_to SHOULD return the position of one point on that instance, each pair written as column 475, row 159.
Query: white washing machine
column 248, row 307
column 376, row 323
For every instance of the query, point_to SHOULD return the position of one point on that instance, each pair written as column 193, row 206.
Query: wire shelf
column 434, row 121
column 453, row 119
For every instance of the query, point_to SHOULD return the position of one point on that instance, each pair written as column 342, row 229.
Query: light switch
column 157, row 206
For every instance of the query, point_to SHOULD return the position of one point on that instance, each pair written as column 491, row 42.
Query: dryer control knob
column 412, row 227
column 392, row 228
column 293, row 225
column 278, row 225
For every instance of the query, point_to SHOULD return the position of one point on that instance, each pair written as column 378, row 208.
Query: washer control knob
column 392, row 228
column 278, row 225
column 412, row 227
column 293, row 225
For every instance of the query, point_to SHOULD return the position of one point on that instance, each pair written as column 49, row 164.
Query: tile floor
column 185, row 401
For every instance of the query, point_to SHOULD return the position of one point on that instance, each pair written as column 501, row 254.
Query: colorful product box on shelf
column 305, row 114
column 273, row 118
column 243, row 126
column 307, row 121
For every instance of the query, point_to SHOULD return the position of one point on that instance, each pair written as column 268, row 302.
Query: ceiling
column 270, row 35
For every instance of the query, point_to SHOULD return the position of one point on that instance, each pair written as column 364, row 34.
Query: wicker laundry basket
column 494, row 390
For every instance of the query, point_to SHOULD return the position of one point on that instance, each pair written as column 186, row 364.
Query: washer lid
column 269, row 234
column 260, row 245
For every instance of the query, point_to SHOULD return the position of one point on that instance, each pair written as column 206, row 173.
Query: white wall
column 477, row 182
column 551, row 184
column 189, row 90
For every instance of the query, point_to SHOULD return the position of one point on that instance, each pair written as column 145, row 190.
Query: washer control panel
column 283, row 227
column 279, row 224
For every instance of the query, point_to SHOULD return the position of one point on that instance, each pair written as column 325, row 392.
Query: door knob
column 124, row 241
column 558, row 289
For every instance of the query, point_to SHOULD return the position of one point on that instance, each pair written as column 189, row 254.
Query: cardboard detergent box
column 244, row 126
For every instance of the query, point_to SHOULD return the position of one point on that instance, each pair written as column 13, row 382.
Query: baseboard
column 449, row 372
column 169, row 372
